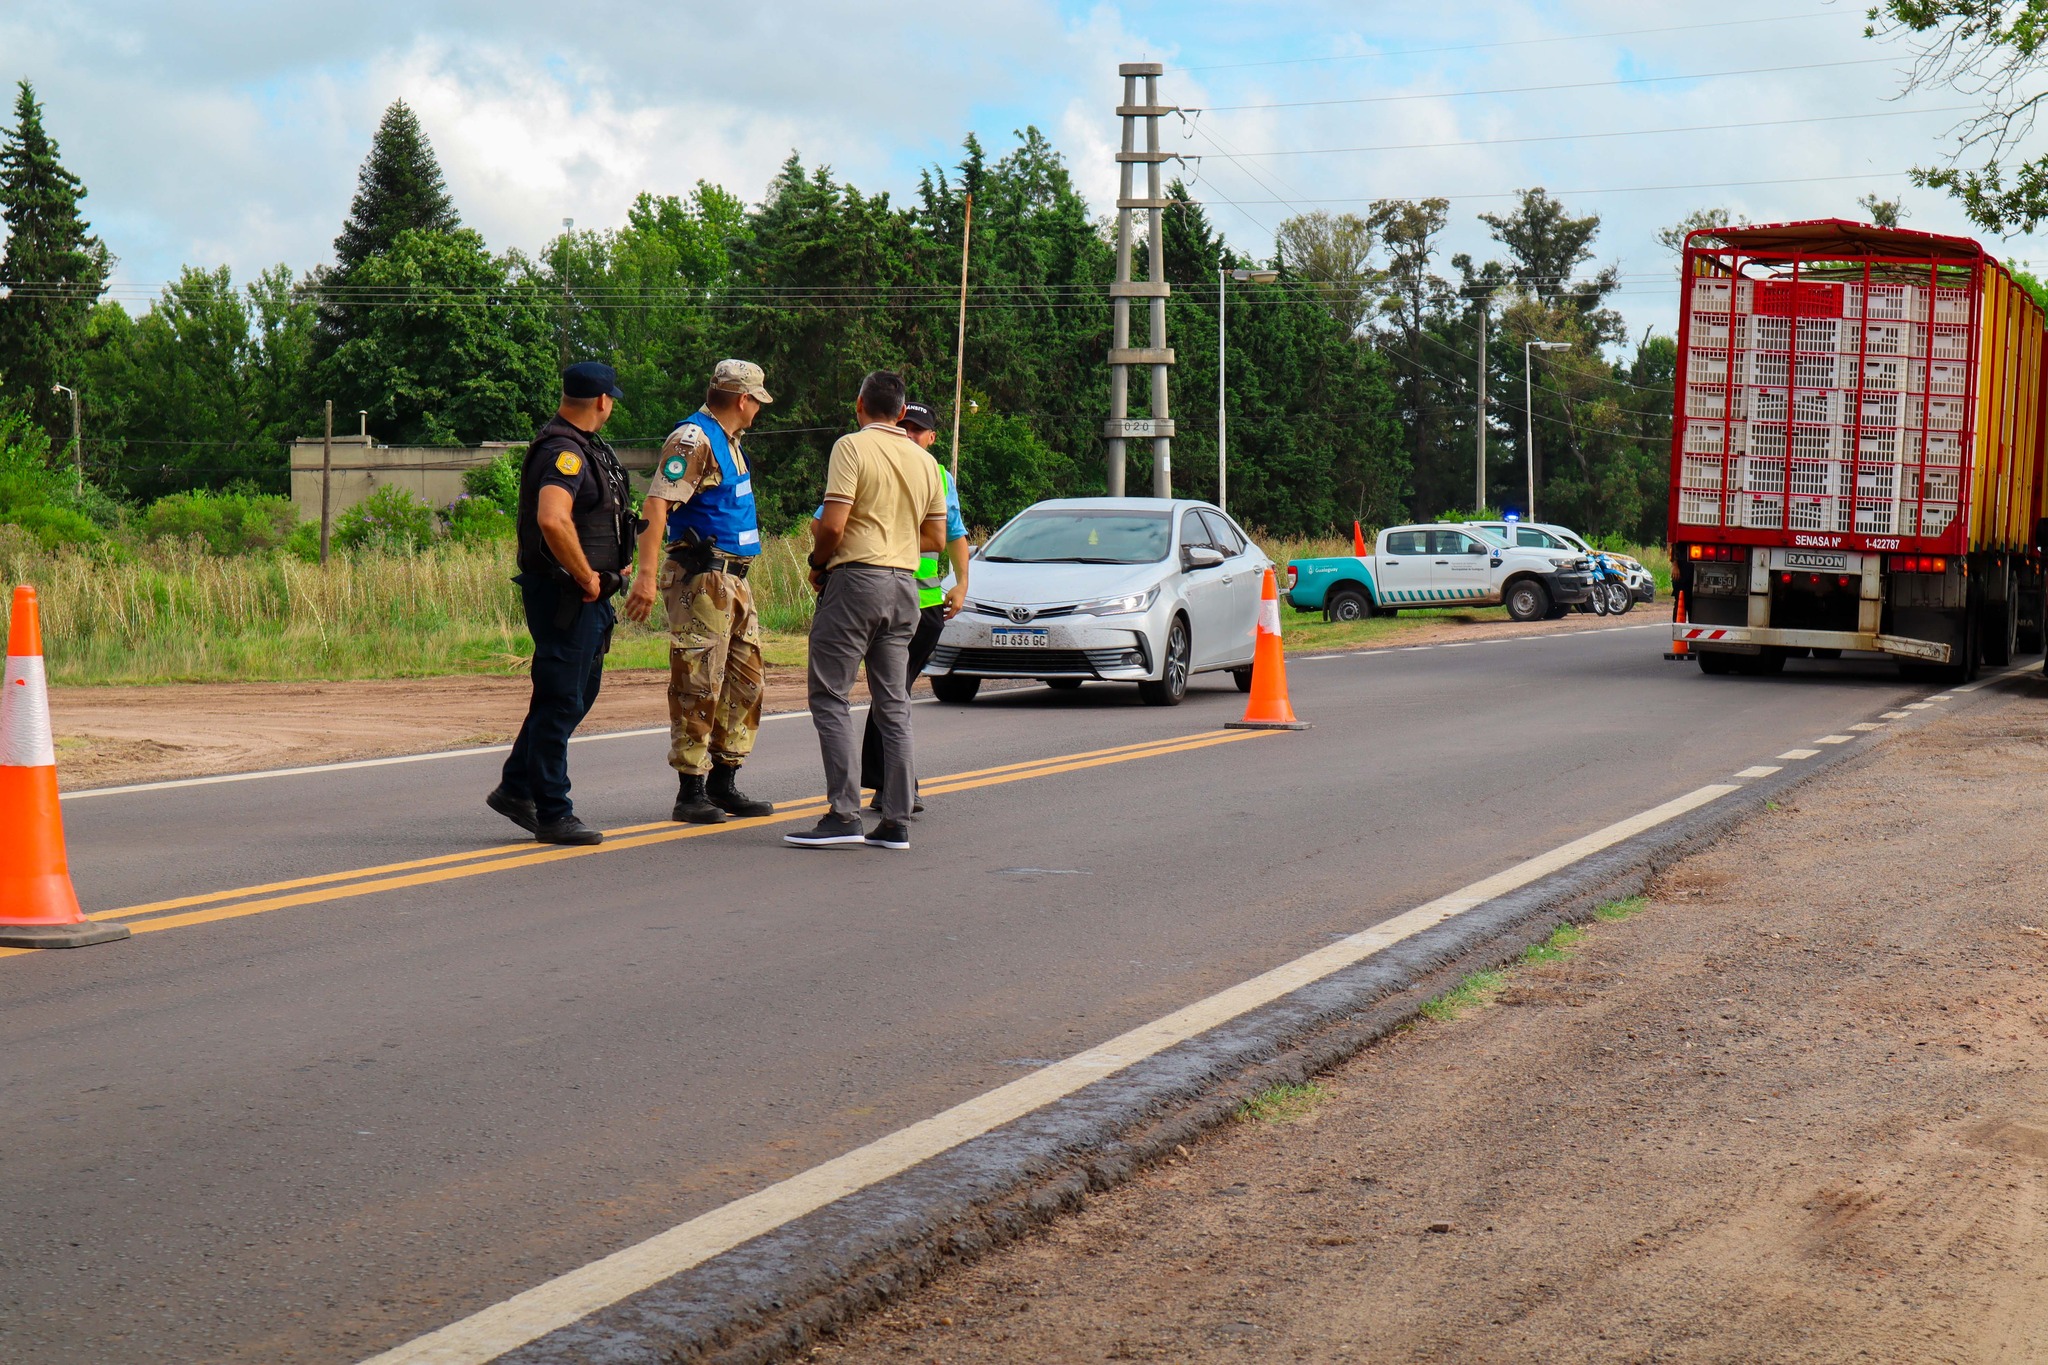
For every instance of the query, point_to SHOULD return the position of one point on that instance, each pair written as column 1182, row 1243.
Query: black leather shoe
column 721, row 792
column 692, row 807
column 519, row 812
column 569, row 831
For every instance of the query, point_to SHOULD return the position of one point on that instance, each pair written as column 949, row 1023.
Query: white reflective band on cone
column 1269, row 617
column 25, row 716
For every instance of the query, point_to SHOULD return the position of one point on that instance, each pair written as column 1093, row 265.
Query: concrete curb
column 771, row 1298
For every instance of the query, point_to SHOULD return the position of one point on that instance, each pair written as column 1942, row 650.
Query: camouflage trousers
column 714, row 668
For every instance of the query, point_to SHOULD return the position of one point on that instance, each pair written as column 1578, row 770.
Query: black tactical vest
column 604, row 528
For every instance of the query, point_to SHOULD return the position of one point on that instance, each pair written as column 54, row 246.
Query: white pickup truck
column 1439, row 565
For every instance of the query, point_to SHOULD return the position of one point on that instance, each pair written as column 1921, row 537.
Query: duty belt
column 715, row 562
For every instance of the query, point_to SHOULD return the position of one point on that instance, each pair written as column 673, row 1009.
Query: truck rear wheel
column 2033, row 608
column 2002, row 627
column 1768, row 664
column 1715, row 664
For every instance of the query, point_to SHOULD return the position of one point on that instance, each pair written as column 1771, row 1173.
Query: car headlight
column 1119, row 606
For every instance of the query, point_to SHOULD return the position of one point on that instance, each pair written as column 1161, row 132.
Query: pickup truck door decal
column 1404, row 568
column 1460, row 567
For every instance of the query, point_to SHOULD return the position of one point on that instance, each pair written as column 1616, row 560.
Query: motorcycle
column 1610, row 596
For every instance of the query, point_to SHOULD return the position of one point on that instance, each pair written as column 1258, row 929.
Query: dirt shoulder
column 108, row 736
column 1792, row 1109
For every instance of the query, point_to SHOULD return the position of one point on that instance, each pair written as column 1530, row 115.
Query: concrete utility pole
column 326, row 478
column 1122, row 355
column 77, row 446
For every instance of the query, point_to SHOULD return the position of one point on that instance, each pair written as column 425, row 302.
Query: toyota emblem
column 1021, row 614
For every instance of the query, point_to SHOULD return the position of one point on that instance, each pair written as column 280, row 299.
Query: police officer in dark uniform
column 576, row 533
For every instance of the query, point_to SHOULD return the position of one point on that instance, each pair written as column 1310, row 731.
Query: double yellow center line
column 180, row 912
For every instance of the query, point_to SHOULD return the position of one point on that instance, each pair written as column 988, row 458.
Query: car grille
column 1037, row 613
column 1030, row 663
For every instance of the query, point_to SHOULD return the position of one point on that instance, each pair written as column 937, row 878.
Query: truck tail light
column 1716, row 554
column 1919, row 563
column 1293, row 574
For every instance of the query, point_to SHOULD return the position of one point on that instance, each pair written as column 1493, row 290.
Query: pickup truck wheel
column 1346, row 604
column 1243, row 678
column 1173, row 678
column 953, row 688
column 1528, row 600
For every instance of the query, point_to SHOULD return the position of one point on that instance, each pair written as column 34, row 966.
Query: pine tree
column 54, row 268
column 399, row 188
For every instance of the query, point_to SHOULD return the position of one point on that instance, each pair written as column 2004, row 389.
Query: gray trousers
column 865, row 613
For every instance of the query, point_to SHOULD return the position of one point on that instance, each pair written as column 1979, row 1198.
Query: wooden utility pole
column 1122, row 355
column 960, row 346
column 326, row 476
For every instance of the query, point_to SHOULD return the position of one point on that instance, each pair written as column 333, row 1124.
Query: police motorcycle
column 1610, row 595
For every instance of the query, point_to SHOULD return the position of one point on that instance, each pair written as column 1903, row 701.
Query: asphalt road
column 319, row 1127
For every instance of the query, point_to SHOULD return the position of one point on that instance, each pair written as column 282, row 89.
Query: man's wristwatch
column 818, row 564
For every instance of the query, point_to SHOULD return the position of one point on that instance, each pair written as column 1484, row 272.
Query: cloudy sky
column 230, row 131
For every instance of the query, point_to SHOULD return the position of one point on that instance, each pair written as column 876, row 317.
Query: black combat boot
column 721, row 792
column 691, row 807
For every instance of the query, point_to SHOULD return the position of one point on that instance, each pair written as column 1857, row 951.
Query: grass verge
column 1480, row 989
column 1282, row 1103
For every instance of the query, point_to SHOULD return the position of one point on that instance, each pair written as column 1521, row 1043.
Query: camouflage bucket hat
column 741, row 376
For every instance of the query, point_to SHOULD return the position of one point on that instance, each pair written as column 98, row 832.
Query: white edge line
column 568, row 1298
column 395, row 759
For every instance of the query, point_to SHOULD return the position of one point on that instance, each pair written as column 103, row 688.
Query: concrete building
column 430, row 473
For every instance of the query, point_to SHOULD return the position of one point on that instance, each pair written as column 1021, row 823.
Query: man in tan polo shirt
column 885, row 507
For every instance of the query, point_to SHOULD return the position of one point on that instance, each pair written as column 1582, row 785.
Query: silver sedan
column 1143, row 590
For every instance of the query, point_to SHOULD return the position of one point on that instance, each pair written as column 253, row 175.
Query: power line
column 1532, row 89
column 1615, row 189
column 1518, row 42
column 1613, row 133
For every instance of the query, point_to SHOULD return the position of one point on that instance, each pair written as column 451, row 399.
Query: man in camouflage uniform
column 702, row 503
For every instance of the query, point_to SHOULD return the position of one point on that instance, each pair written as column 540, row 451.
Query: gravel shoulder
column 1793, row 1109
column 108, row 736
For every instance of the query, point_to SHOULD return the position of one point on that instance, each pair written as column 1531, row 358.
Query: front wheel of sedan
column 955, row 689
column 1243, row 678
column 1173, row 678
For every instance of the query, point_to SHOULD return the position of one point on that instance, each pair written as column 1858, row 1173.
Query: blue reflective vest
column 723, row 513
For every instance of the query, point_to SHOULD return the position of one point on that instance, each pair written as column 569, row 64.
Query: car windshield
column 1059, row 536
column 1488, row 534
column 1574, row 542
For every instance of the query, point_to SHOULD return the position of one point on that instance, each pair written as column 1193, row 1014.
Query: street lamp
column 77, row 449
column 1242, row 276
column 1529, row 412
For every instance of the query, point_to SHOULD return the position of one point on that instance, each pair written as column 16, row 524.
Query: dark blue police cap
column 591, row 379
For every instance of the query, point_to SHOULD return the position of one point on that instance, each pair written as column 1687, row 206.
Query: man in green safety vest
column 936, row 603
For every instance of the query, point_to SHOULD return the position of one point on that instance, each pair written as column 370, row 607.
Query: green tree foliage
column 1333, row 253
column 53, row 269
column 1991, row 51
column 204, row 390
column 466, row 358
column 399, row 190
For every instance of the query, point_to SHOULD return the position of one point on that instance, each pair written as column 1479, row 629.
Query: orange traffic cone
column 1358, row 540
column 1679, row 648
column 1268, row 709
column 38, row 908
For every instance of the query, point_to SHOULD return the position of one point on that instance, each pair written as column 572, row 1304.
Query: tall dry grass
column 177, row 613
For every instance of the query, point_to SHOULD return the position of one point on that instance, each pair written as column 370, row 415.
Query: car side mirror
column 1203, row 556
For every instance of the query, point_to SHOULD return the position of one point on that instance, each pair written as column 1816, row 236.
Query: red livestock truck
column 1857, row 451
